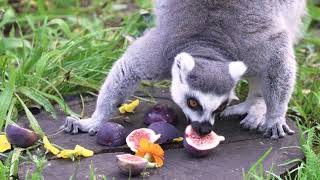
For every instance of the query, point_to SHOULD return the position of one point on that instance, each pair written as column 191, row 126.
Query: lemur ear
column 184, row 62
column 237, row 69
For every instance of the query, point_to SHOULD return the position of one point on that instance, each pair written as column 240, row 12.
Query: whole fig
column 21, row 137
column 166, row 130
column 160, row 112
column 111, row 134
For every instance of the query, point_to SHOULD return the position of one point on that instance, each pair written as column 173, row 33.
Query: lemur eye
column 193, row 104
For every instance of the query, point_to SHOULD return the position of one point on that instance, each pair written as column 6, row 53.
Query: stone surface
column 239, row 152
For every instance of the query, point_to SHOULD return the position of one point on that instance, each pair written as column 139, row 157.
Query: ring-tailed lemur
column 206, row 47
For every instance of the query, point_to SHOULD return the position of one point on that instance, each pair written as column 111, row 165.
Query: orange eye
column 192, row 103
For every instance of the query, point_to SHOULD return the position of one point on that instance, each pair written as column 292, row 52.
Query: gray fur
column 216, row 32
column 210, row 77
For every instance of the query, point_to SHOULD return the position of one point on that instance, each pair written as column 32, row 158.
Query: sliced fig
column 200, row 145
column 21, row 137
column 166, row 130
column 130, row 164
column 160, row 112
column 111, row 134
column 133, row 139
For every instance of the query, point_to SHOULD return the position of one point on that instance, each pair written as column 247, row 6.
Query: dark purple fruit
column 111, row 134
column 200, row 145
column 21, row 137
column 166, row 130
column 130, row 164
column 160, row 112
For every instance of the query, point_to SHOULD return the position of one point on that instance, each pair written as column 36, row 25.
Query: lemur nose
column 203, row 128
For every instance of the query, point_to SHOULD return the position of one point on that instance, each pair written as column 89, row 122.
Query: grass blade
column 15, row 162
column 61, row 103
column 33, row 122
column 38, row 98
column 6, row 96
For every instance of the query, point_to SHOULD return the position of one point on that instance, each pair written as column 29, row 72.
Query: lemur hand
column 73, row 125
column 275, row 128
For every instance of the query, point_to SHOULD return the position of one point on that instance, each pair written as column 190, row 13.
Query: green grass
column 49, row 49
column 50, row 53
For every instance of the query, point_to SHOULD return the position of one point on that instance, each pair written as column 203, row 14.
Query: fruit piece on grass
column 132, row 165
column 160, row 112
column 133, row 139
column 20, row 137
column 4, row 144
column 166, row 130
column 111, row 134
column 200, row 145
column 129, row 108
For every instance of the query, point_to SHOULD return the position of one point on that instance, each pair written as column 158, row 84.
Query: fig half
column 130, row 164
column 200, row 146
column 160, row 113
column 111, row 134
column 166, row 130
column 21, row 137
column 133, row 139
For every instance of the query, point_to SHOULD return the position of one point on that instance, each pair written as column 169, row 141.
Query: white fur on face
column 180, row 91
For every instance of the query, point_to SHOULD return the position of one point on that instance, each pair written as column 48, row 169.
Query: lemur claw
column 275, row 129
column 74, row 125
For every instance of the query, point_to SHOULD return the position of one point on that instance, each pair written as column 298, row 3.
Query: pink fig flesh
column 200, row 145
column 133, row 139
column 130, row 164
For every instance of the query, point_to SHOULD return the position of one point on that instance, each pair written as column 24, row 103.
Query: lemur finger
column 93, row 131
column 68, row 125
column 267, row 133
column 75, row 129
column 247, row 122
column 254, row 126
column 261, row 128
column 274, row 135
column 281, row 131
column 287, row 129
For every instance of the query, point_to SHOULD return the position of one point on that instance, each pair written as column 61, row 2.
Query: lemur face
column 203, row 89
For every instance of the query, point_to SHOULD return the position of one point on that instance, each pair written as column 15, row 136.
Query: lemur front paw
column 75, row 125
column 238, row 109
column 275, row 128
column 254, row 118
column 255, row 110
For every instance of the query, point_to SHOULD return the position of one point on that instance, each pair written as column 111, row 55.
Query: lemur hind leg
column 142, row 61
column 254, row 107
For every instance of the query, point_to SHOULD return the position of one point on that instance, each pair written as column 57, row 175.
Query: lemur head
column 203, row 88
